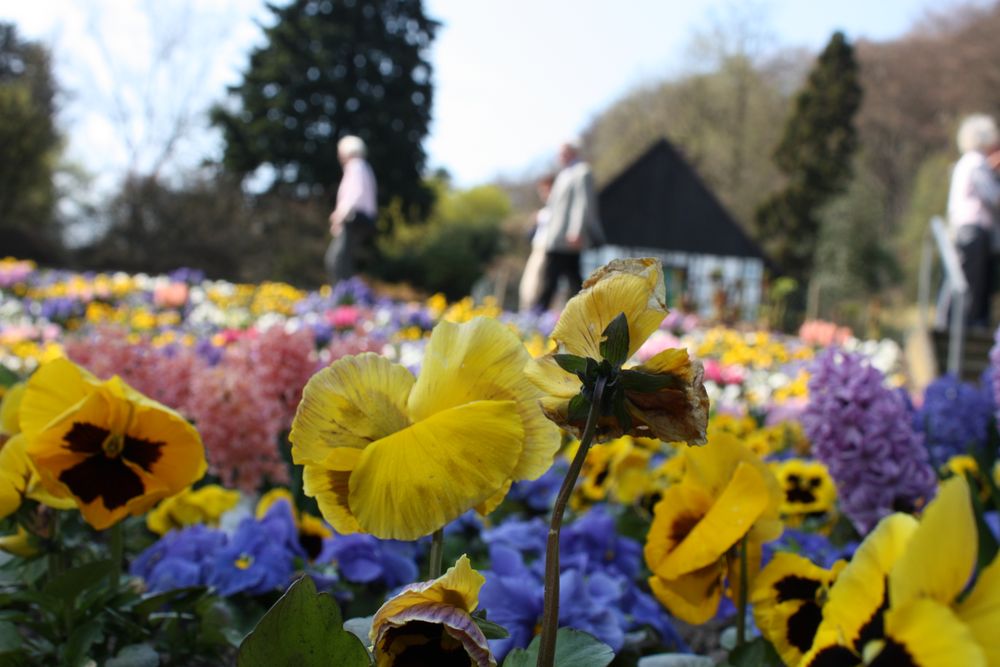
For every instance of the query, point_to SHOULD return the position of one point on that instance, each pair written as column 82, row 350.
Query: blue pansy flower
column 178, row 559
column 365, row 559
column 260, row 556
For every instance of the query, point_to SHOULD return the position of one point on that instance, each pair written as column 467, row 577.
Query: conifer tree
column 815, row 156
column 331, row 68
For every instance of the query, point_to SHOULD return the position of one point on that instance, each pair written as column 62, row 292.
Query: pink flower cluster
column 241, row 405
column 824, row 334
column 722, row 374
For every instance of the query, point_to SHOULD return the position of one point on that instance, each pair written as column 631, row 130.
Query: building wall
column 741, row 277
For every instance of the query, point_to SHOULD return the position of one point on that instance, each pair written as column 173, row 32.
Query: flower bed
column 734, row 550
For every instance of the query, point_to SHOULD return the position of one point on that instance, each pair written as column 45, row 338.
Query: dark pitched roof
column 660, row 202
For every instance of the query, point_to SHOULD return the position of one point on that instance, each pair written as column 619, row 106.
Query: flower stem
column 550, row 613
column 741, row 599
column 117, row 555
column 437, row 554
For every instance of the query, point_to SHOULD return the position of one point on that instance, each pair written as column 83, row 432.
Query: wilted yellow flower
column 192, row 506
column 726, row 494
column 399, row 457
column 662, row 398
column 431, row 623
column 112, row 450
column 905, row 598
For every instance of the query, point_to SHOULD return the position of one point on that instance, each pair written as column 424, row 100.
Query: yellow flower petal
column 353, row 402
column 331, row 490
column 679, row 510
column 19, row 543
column 9, row 406
column 727, row 521
column 925, row 632
column 484, row 360
column 631, row 286
column 980, row 611
column 712, row 467
column 551, row 379
column 941, row 554
column 413, row 482
column 52, row 389
column 860, row 591
column 15, row 473
column 693, row 597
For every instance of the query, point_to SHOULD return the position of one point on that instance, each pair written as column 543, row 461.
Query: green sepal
column 579, row 408
column 619, row 410
column 571, row 363
column 490, row 629
column 614, row 346
column 643, row 382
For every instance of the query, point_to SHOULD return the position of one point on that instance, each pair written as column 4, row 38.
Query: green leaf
column 988, row 545
column 135, row 655
column 83, row 636
column 642, row 382
column 181, row 597
column 757, row 653
column 579, row 408
column 67, row 585
column 10, row 640
column 302, row 629
column 8, row 377
column 614, row 347
column 571, row 363
column 573, row 649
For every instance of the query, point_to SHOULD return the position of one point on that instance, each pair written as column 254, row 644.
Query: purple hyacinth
column 955, row 418
column 993, row 373
column 861, row 430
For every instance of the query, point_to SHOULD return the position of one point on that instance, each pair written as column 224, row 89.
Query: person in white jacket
column 574, row 224
column 352, row 222
column 973, row 205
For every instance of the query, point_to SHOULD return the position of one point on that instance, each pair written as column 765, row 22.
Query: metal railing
column 953, row 293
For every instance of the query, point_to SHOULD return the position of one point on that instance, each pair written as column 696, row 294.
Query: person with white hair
column 573, row 224
column 352, row 222
column 973, row 205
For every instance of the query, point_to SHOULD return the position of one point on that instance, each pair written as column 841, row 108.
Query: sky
column 513, row 78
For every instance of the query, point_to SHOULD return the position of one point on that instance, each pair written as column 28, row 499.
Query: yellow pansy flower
column 112, row 450
column 726, row 494
column 673, row 409
column 398, row 457
column 205, row 505
column 905, row 597
column 431, row 623
column 807, row 485
column 788, row 598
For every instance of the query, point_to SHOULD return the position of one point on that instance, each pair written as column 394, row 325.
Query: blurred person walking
column 534, row 268
column 973, row 204
column 573, row 226
column 352, row 222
